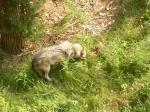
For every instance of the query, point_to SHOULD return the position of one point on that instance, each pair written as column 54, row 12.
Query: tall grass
column 113, row 77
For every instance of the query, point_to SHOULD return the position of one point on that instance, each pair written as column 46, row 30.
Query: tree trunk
column 11, row 38
column 12, row 43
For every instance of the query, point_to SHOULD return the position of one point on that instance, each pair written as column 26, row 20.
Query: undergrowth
column 113, row 78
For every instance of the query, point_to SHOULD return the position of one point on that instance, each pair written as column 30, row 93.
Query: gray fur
column 43, row 59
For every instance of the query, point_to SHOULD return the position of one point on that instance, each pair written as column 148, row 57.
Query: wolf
column 42, row 60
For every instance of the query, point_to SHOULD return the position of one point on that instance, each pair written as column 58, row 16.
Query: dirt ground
column 99, row 15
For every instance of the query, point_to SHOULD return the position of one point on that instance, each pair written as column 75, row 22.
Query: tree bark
column 12, row 43
column 12, row 40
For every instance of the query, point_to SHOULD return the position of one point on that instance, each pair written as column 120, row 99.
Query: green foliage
column 126, row 55
column 139, row 95
column 3, row 105
column 25, row 78
column 2, row 56
column 73, row 89
column 20, row 16
column 121, row 69
column 125, row 61
column 75, row 12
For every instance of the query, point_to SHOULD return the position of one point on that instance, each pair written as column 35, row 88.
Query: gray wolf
column 43, row 59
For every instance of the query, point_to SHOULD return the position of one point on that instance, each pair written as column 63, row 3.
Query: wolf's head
column 79, row 51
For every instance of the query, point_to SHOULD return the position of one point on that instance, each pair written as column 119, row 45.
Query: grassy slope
column 114, row 79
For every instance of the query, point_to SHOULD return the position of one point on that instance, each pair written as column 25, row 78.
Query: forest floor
column 67, row 20
column 113, row 78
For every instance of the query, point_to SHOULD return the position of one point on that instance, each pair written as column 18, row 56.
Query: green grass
column 116, row 78
column 73, row 89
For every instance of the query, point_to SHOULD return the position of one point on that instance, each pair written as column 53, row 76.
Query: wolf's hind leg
column 48, row 78
column 46, row 74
